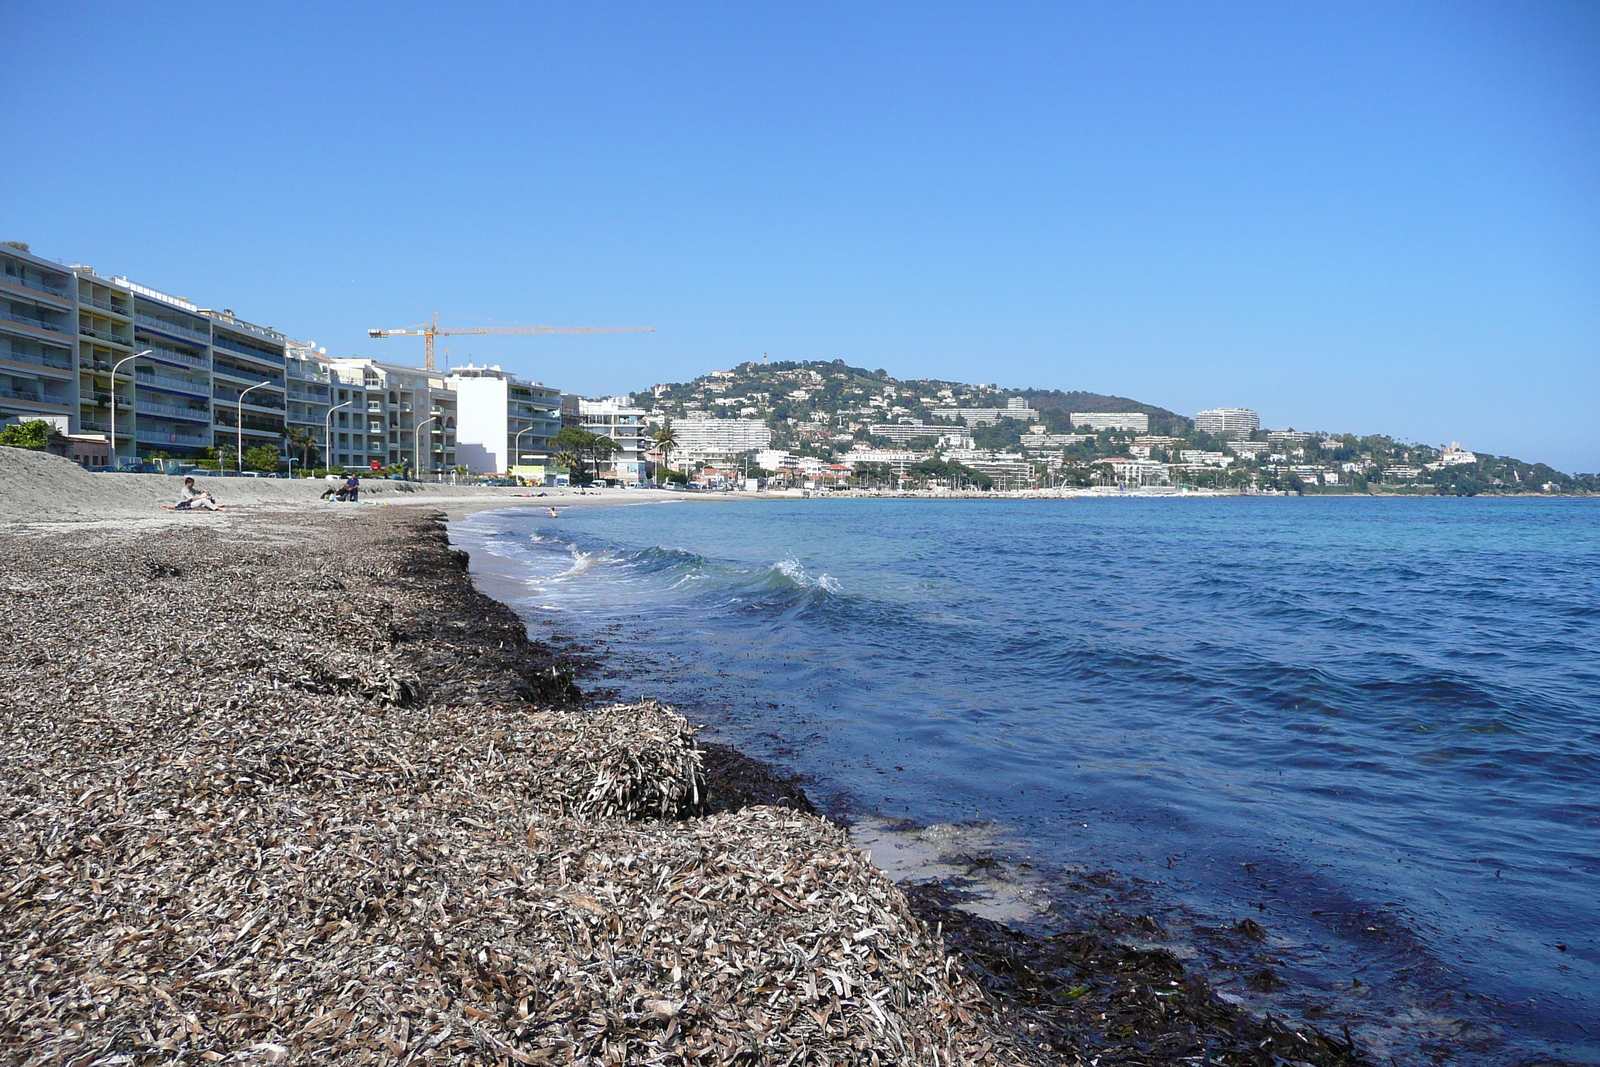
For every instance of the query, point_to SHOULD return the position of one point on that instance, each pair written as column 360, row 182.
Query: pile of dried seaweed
column 304, row 795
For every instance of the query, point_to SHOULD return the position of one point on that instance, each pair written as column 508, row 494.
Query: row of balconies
column 176, row 329
column 105, row 305
column 233, row 347
column 38, row 359
column 160, row 435
column 38, row 284
column 167, row 381
column 17, row 314
column 171, row 411
column 35, row 396
column 173, row 355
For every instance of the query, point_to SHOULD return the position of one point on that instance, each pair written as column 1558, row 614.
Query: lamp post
column 516, row 446
column 416, row 442
column 115, row 465
column 327, row 433
column 238, row 457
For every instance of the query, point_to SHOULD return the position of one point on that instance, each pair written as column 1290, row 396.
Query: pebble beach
column 279, row 785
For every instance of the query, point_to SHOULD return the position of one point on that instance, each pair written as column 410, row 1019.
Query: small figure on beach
column 194, row 498
column 350, row 490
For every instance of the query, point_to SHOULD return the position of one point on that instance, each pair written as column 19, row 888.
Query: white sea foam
column 795, row 571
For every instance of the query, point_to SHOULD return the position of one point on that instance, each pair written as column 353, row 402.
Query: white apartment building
column 772, row 459
column 1036, row 437
column 901, row 432
column 1233, row 422
column 707, row 440
column 616, row 417
column 898, row 458
column 38, row 342
column 1136, row 472
column 189, row 378
column 390, row 415
column 1016, row 408
column 307, row 380
column 505, row 424
column 186, row 378
column 1454, row 455
column 1099, row 421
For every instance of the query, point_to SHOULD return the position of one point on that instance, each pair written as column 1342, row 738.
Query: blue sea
column 1372, row 726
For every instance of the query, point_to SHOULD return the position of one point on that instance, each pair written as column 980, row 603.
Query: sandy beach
column 279, row 785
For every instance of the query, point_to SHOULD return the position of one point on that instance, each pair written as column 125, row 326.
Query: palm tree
column 666, row 440
column 302, row 439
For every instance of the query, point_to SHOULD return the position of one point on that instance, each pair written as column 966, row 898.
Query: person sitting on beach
column 194, row 497
column 350, row 490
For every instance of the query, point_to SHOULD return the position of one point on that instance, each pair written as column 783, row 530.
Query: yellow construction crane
column 429, row 330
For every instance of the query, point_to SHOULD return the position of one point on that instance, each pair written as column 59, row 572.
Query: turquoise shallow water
column 1372, row 725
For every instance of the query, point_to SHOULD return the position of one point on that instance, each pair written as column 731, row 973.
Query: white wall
column 481, row 424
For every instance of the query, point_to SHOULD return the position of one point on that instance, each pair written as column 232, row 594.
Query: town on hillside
column 823, row 425
column 121, row 375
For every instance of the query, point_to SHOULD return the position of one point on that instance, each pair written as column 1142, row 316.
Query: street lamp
column 238, row 457
column 416, row 442
column 327, row 433
column 115, row 465
column 516, row 446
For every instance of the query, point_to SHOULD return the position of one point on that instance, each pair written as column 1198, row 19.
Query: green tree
column 666, row 440
column 302, row 439
column 262, row 458
column 34, row 434
column 582, row 452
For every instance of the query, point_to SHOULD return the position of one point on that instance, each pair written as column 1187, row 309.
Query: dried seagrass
column 287, row 796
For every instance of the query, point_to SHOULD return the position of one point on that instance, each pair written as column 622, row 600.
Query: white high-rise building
column 706, row 440
column 1234, row 422
column 616, row 417
column 1137, row 421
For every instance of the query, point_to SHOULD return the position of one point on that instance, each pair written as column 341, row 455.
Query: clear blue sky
column 1350, row 216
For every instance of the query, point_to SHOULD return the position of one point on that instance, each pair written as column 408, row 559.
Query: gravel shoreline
column 297, row 792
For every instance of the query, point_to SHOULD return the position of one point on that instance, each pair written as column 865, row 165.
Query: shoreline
column 342, row 806
column 299, row 762
column 1097, row 985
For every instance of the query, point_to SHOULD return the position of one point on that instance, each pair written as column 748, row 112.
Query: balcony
column 172, row 329
column 178, row 385
column 225, row 421
column 29, row 320
column 172, row 355
column 105, row 305
column 37, row 359
column 225, row 371
column 156, row 436
column 36, row 398
column 38, row 285
column 227, row 344
column 105, row 335
column 171, row 411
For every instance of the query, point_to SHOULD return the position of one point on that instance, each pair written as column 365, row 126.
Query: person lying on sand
column 194, row 498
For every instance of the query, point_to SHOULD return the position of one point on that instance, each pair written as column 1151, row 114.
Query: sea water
column 1372, row 726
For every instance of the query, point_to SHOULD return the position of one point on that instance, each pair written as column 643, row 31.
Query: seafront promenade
column 281, row 786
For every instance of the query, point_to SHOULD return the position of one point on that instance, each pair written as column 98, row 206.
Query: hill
column 831, row 411
column 787, row 395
